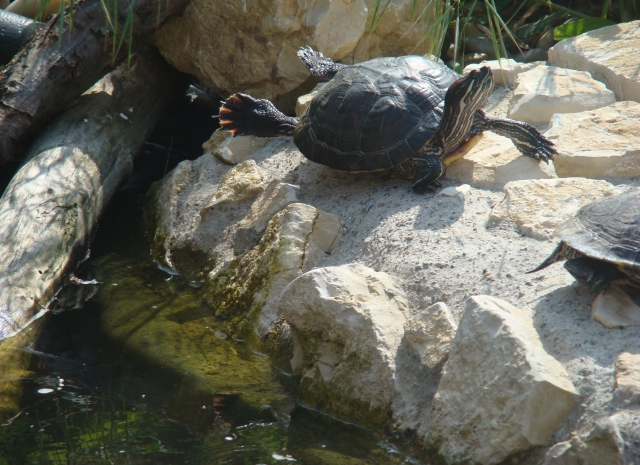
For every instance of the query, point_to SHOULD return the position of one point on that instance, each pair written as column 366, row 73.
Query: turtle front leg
column 244, row 115
column 318, row 64
column 425, row 170
column 525, row 137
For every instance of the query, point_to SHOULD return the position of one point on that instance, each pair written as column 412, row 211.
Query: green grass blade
column 556, row 7
column 443, row 19
column 377, row 16
column 605, row 9
column 40, row 12
column 128, row 24
column 575, row 28
column 105, row 8
column 60, row 23
column 71, row 11
column 505, row 28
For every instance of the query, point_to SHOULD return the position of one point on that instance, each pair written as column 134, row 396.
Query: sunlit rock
column 609, row 54
column 545, row 90
column 628, row 378
column 500, row 392
column 347, row 324
column 504, row 71
column 537, row 207
column 604, row 444
column 599, row 143
column 250, row 47
column 614, row 308
column 430, row 333
column 494, row 162
column 231, row 149
column 248, row 290
column 303, row 102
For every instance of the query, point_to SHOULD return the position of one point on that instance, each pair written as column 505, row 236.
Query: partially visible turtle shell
column 607, row 229
column 374, row 115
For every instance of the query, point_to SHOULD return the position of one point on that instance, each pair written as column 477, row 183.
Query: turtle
column 408, row 116
column 601, row 243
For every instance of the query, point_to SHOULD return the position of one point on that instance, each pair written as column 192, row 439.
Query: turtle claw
column 318, row 64
column 244, row 115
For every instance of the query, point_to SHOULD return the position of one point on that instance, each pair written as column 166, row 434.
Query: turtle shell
column 374, row 115
column 607, row 229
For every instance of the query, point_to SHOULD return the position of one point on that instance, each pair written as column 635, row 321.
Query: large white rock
column 504, row 70
column 494, row 162
column 347, row 324
column 500, row 392
column 599, row 143
column 538, row 206
column 249, row 46
column 545, row 90
column 609, row 54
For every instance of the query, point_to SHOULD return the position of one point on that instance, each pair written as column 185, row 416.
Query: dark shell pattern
column 607, row 229
column 374, row 115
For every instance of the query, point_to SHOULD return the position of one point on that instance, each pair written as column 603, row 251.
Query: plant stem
column 563, row 9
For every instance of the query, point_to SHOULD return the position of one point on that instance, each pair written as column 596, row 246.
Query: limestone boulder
column 347, row 324
column 494, row 162
column 538, row 206
column 504, row 70
column 609, row 54
column 303, row 102
column 500, row 392
column 599, row 143
column 251, row 46
column 545, row 90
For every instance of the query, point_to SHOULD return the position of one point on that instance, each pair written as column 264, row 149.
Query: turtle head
column 461, row 103
column 470, row 93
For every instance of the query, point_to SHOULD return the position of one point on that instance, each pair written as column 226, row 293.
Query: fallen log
column 52, row 70
column 71, row 171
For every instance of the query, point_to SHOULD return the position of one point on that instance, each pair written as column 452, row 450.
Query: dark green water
column 141, row 375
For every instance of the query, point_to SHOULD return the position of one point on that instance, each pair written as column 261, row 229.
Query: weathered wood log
column 71, row 171
column 50, row 73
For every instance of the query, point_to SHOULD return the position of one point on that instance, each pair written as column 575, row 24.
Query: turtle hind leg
column 426, row 171
column 595, row 273
column 244, row 115
column 318, row 64
column 525, row 137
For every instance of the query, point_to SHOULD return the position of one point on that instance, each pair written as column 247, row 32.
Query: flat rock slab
column 231, row 149
column 538, row 206
column 599, row 143
column 504, row 71
column 610, row 54
column 494, row 162
column 500, row 391
column 545, row 90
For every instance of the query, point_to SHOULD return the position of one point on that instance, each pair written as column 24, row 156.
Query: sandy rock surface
column 504, row 71
column 609, row 54
column 599, row 143
column 537, row 207
column 545, row 90
column 261, row 58
column 500, row 391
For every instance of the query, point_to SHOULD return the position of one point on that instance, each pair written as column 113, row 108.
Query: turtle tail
column 562, row 252
column 244, row 115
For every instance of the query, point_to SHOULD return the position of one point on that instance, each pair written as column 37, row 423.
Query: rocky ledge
column 415, row 312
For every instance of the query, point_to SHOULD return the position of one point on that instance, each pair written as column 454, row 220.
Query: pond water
column 142, row 373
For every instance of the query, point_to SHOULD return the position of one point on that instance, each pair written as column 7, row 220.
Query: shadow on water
column 141, row 374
